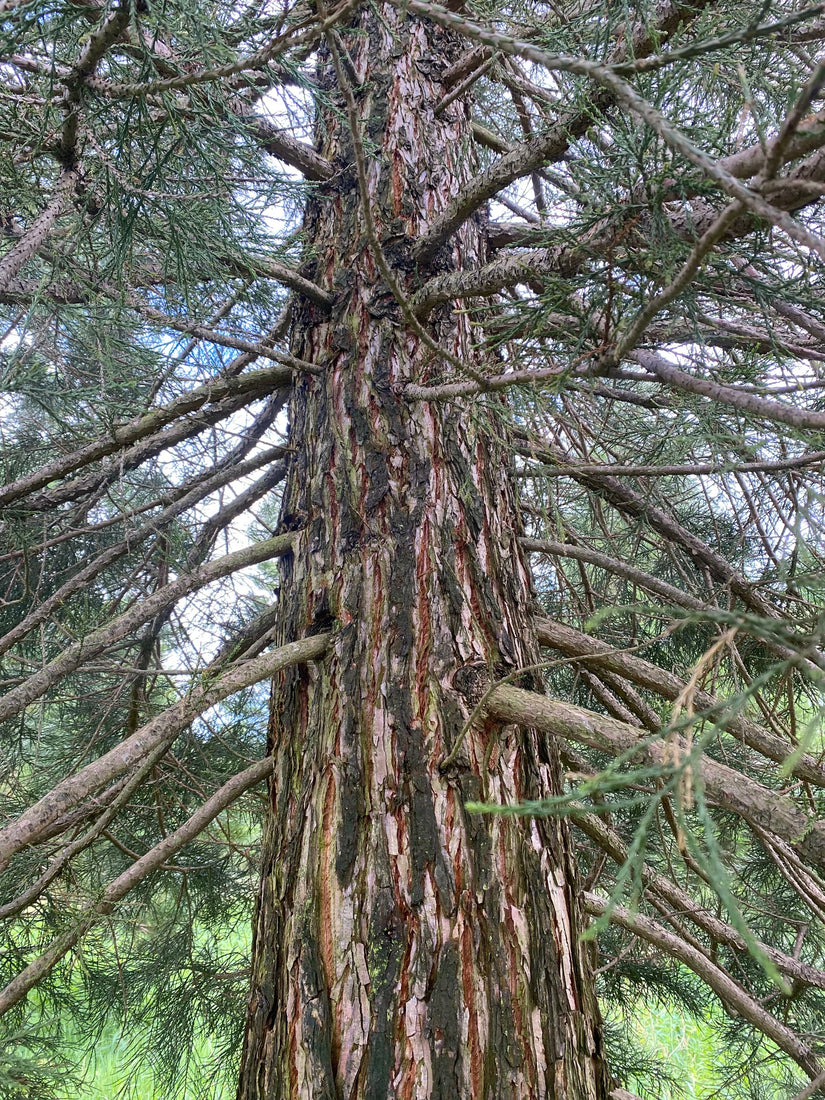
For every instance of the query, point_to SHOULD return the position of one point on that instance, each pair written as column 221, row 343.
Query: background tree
column 397, row 296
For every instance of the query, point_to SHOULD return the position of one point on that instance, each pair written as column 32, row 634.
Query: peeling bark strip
column 402, row 949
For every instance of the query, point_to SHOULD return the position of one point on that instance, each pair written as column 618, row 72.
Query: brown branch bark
column 95, row 567
column 531, row 155
column 668, row 592
column 19, row 986
column 33, row 239
column 560, row 258
column 507, row 270
column 129, row 459
column 697, row 469
column 217, row 685
column 104, row 809
column 764, row 407
column 723, row 786
column 209, row 393
column 573, row 643
column 464, row 66
column 553, row 256
column 685, row 906
column 256, row 264
column 124, row 624
column 278, row 143
column 237, row 507
column 631, row 503
column 723, row 985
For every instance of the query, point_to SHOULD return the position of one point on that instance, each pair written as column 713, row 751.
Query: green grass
column 687, row 1048
column 692, row 1054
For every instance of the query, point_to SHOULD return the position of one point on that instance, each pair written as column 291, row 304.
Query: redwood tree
column 401, row 947
column 489, row 337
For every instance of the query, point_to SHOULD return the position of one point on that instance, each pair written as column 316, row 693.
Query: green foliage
column 164, row 271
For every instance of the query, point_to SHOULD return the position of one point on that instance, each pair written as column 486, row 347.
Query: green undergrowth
column 684, row 1046
column 685, row 1049
column 130, row 1060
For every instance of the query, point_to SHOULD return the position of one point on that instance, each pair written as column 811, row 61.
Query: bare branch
column 692, row 469
column 217, row 684
column 530, row 155
column 93, row 568
column 600, row 655
column 19, row 986
column 633, row 504
column 278, row 143
column 764, row 407
column 723, row 786
column 129, row 459
column 727, row 990
column 124, row 624
column 107, row 809
column 668, row 592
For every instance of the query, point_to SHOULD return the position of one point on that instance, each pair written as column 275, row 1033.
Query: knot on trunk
column 471, row 681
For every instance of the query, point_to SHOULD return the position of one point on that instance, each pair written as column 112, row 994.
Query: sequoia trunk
column 403, row 947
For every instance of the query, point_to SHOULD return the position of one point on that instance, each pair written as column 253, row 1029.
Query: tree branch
column 724, row 787
column 124, row 624
column 686, row 906
column 531, row 155
column 209, row 393
column 764, row 407
column 217, row 685
column 32, row 240
column 19, row 986
column 669, row 686
column 81, row 578
column 726, row 989
column 278, row 143
column 631, row 503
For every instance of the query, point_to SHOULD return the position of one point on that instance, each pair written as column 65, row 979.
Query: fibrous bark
column 404, row 948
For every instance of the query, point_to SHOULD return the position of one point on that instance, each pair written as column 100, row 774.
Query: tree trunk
column 404, row 948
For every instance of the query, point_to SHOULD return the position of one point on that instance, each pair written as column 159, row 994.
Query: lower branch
column 157, row 523
column 725, row 787
column 667, row 685
column 732, row 995
column 18, row 987
column 96, row 641
column 122, row 435
column 685, row 906
column 668, row 592
column 217, row 685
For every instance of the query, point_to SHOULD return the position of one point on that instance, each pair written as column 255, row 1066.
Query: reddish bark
column 404, row 948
